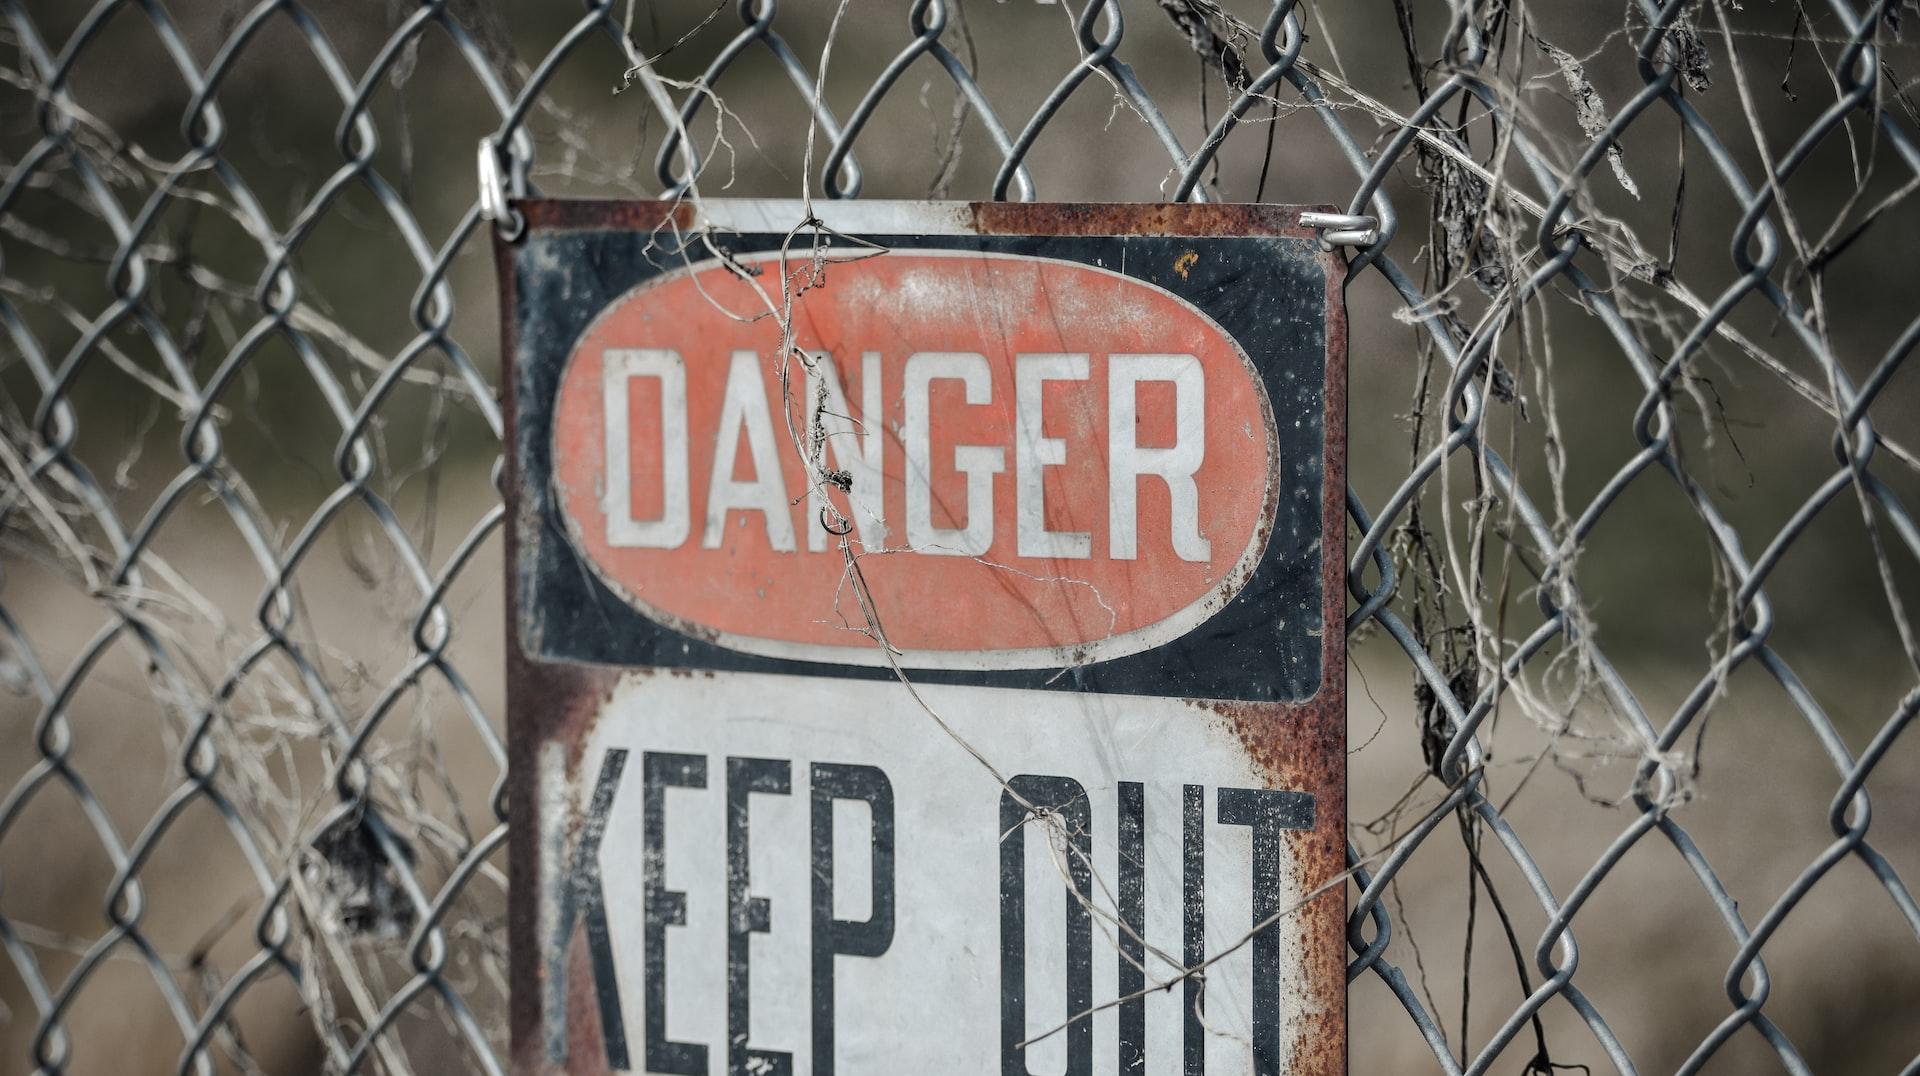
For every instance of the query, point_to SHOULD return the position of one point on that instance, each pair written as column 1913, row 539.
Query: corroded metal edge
column 1298, row 745
column 928, row 218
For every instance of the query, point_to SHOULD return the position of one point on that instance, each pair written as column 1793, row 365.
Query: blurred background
column 1630, row 438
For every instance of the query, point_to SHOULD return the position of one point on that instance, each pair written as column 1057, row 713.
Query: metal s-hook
column 1343, row 229
column 493, row 193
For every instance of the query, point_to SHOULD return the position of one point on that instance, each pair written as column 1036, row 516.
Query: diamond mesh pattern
column 232, row 659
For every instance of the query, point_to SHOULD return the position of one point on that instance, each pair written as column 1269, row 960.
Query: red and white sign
column 1002, row 424
column 1095, row 822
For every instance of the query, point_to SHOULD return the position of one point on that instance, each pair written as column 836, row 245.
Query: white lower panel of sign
column 739, row 938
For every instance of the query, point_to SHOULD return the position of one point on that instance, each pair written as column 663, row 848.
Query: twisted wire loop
column 426, row 972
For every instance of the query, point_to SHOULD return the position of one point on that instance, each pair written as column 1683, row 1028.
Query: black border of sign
column 554, row 705
column 1273, row 293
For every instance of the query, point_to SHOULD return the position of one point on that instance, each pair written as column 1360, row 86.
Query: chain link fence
column 1630, row 457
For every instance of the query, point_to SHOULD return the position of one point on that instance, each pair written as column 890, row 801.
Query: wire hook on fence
column 494, row 204
column 1343, row 229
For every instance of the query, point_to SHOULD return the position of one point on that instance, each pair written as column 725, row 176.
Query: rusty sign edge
column 567, row 691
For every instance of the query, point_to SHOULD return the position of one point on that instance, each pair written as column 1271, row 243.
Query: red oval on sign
column 1041, row 462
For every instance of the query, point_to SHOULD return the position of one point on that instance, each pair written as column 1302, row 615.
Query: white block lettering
column 1033, row 453
column 618, row 366
column 1127, row 461
column 978, row 462
column 857, row 448
column 745, row 408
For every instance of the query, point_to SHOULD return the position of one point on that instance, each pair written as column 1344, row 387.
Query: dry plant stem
column 1624, row 253
column 307, row 696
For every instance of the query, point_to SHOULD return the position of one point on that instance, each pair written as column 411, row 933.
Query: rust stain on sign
column 1088, row 461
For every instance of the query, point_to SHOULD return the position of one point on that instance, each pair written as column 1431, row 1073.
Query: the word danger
column 857, row 453
column 668, row 783
column 1029, row 456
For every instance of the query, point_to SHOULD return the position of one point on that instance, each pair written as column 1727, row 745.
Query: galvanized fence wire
column 50, row 492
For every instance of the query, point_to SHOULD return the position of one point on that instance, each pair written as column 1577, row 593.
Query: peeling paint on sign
column 1024, row 439
column 1081, row 467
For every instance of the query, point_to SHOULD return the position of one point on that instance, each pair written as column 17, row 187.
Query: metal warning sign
column 926, row 645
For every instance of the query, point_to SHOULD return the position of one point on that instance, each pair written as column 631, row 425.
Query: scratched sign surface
column 927, row 649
